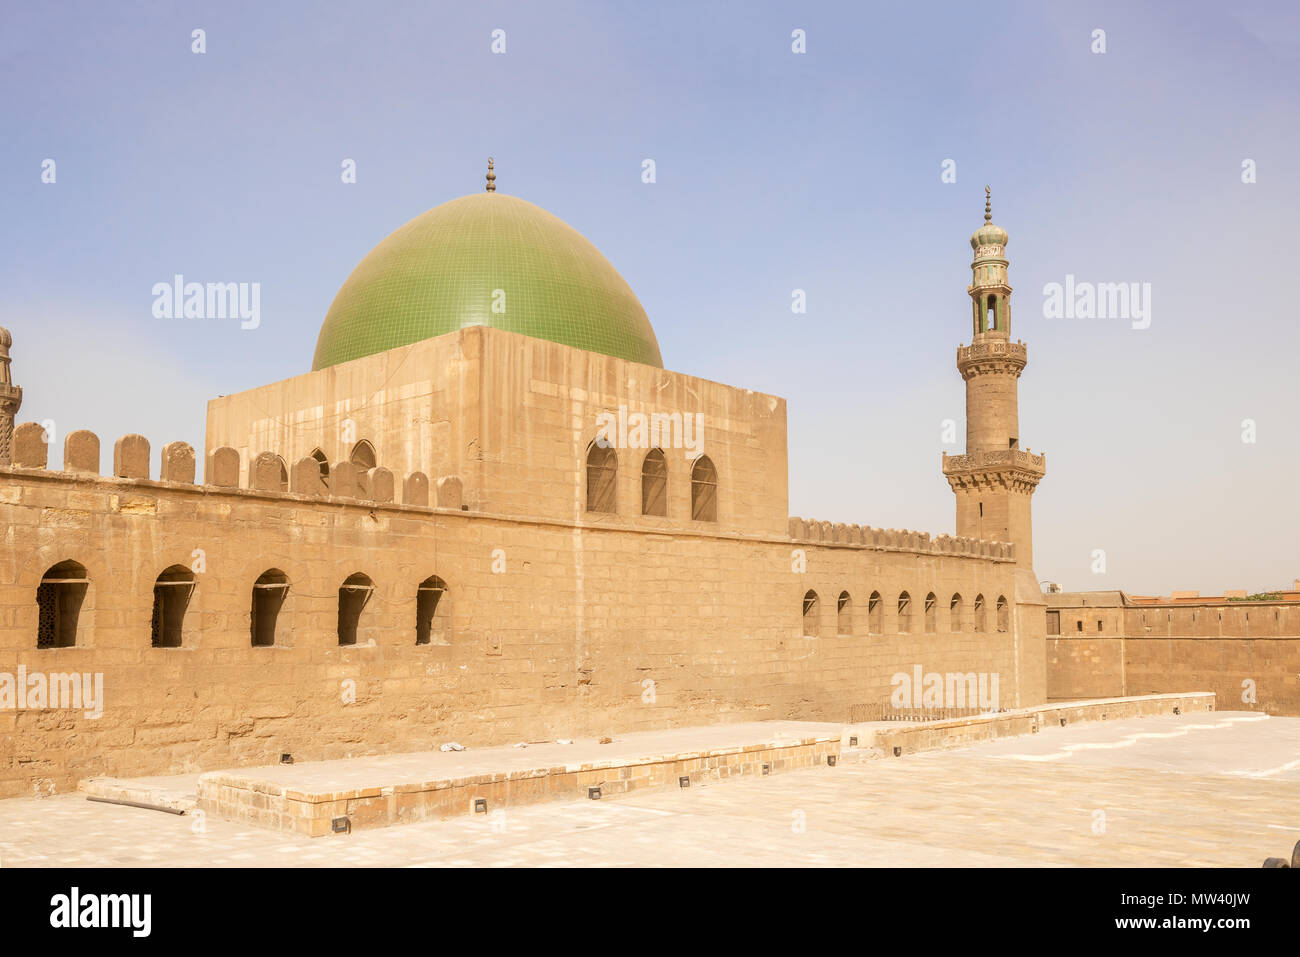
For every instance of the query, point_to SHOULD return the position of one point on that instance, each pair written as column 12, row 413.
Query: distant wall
column 1168, row 649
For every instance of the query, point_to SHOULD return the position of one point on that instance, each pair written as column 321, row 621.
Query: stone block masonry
column 545, row 629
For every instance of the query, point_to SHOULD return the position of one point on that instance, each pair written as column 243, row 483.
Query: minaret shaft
column 995, row 479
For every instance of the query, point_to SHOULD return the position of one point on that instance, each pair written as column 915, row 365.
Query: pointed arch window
column 980, row 624
column 602, row 479
column 363, row 455
column 171, row 599
column 432, row 613
column 844, row 614
column 654, row 483
column 875, row 614
column 904, row 613
column 955, row 613
column 811, row 612
column 931, row 614
column 354, row 595
column 323, row 464
column 704, row 490
column 269, row 593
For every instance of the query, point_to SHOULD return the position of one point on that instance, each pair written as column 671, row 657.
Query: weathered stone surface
column 223, row 468
column 131, row 457
column 267, row 473
column 451, row 493
column 380, row 482
column 81, row 452
column 415, row 490
column 177, row 463
column 346, row 481
column 306, row 478
column 30, row 449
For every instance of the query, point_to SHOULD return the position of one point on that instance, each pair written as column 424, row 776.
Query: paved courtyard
column 1217, row 789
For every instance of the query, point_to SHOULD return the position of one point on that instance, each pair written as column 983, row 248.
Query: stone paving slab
column 1170, row 801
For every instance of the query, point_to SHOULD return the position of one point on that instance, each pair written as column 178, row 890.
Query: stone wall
column 514, row 417
column 1238, row 650
column 553, row 627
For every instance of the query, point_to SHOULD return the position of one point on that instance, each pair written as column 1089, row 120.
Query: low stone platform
column 377, row 791
column 406, row 788
column 911, row 737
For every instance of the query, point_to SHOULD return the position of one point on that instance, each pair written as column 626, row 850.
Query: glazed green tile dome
column 438, row 274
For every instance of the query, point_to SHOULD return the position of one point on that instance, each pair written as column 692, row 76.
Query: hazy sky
column 775, row 171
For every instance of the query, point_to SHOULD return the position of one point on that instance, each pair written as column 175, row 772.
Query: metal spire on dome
column 491, row 178
column 988, row 204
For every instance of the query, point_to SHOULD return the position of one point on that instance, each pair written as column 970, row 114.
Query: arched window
column 993, row 312
column 1004, row 614
column 875, row 614
column 931, row 614
column 354, row 594
column 904, row 613
column 363, row 455
column 704, row 490
column 954, row 613
column 432, row 613
column 58, row 603
column 602, row 479
column 654, row 483
column 844, row 614
column 171, row 599
column 810, row 613
column 979, row 613
column 269, row 593
column 284, row 474
column 324, row 465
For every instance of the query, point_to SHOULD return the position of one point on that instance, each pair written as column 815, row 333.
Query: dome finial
column 988, row 205
column 491, row 178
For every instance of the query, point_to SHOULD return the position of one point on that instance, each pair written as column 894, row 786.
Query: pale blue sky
column 775, row 171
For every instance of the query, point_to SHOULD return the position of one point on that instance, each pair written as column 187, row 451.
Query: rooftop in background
column 1113, row 599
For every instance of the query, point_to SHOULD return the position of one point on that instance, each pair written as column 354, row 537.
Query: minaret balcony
column 992, row 355
column 1016, row 467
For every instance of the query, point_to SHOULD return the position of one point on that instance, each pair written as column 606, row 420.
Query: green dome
column 441, row 272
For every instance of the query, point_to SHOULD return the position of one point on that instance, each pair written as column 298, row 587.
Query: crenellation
column 131, row 457
column 890, row 539
column 267, row 473
column 415, row 490
column 30, row 446
column 81, row 452
column 178, row 462
column 347, row 481
column 451, row 492
column 380, row 483
column 223, row 468
column 306, row 479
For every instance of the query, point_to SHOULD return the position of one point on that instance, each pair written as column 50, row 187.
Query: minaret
column 11, row 398
column 996, row 478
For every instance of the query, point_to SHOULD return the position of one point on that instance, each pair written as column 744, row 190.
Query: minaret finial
column 491, row 178
column 988, row 205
